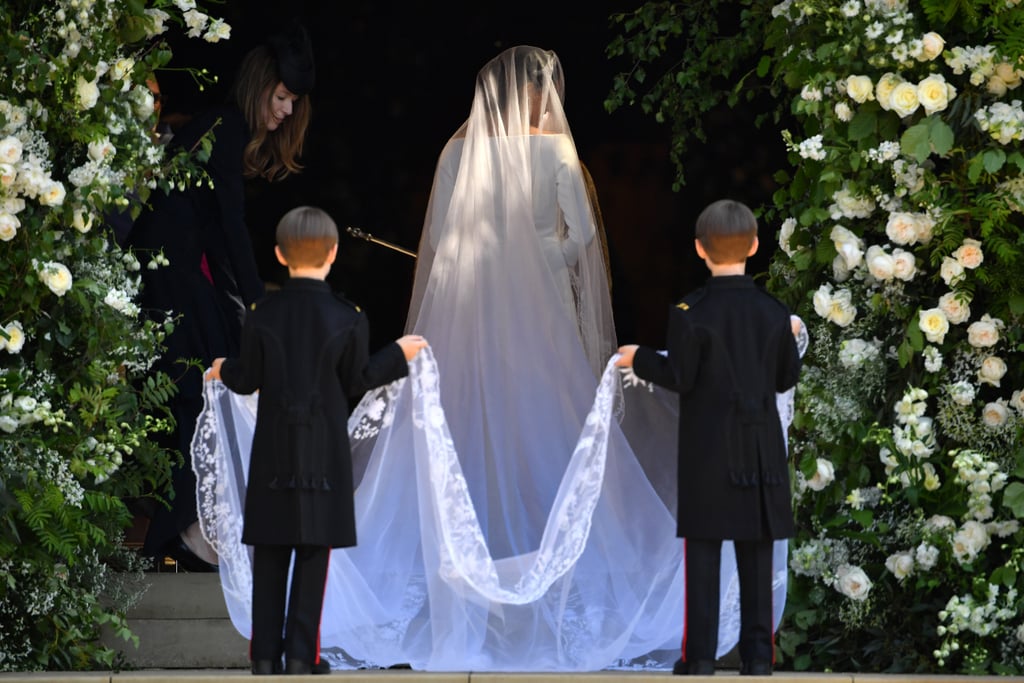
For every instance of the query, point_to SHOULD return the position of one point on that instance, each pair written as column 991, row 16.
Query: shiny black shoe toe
column 757, row 667
column 186, row 559
column 321, row 667
column 295, row 667
column 265, row 667
column 700, row 667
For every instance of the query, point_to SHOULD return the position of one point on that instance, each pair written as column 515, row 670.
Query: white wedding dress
column 515, row 494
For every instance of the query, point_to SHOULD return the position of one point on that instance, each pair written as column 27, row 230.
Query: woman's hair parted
column 272, row 155
column 726, row 229
column 305, row 236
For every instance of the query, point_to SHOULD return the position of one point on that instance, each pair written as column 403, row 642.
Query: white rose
column 157, row 17
column 982, row 334
column 933, row 94
column 785, row 234
column 842, row 311
column 843, row 111
column 56, row 276
column 847, row 245
column 937, row 523
column 926, row 555
column 904, row 265
column 924, row 225
column 931, row 46
column 1017, row 402
column 969, row 254
column 15, row 337
column 101, row 149
column 955, row 306
column 52, row 194
column 853, row 582
column 840, row 269
column 951, row 271
column 823, row 476
column 884, row 88
column 860, row 89
column 933, row 324
column 969, row 540
column 122, row 69
column 994, row 414
column 900, row 564
column 81, row 220
column 880, row 264
column 8, row 424
column 992, row 370
column 9, row 225
column 10, row 150
column 88, row 93
column 823, row 300
column 902, row 228
column 8, row 174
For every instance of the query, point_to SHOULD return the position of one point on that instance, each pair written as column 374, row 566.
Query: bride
column 515, row 496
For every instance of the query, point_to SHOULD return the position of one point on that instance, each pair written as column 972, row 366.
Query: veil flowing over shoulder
column 515, row 496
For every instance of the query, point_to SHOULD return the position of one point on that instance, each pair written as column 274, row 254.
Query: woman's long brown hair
column 270, row 154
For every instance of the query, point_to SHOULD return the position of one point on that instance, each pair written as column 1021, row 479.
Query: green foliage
column 80, row 411
column 900, row 225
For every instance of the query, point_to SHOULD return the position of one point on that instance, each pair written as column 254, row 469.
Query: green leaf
column 764, row 66
column 993, row 160
column 940, row 135
column 1013, row 498
column 862, row 125
column 916, row 142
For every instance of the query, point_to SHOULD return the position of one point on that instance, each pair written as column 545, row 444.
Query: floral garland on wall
column 78, row 415
column 901, row 247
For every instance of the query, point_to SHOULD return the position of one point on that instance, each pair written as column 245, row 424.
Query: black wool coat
column 730, row 349
column 305, row 350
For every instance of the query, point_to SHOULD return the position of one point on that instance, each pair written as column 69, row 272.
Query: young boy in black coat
column 730, row 348
column 305, row 350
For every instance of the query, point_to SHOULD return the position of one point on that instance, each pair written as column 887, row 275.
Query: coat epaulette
column 690, row 299
column 342, row 299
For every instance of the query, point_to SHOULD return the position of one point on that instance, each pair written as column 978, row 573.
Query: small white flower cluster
column 200, row 25
column 887, row 150
column 24, row 409
column 1003, row 121
column 997, row 72
column 864, row 498
column 914, row 440
column 848, row 204
column 854, row 353
column 811, row 148
column 908, row 176
column 982, row 478
column 967, row 614
column 815, row 558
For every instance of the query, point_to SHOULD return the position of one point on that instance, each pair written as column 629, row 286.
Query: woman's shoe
column 186, row 559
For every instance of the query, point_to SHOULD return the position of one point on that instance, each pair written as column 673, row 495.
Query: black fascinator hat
column 294, row 53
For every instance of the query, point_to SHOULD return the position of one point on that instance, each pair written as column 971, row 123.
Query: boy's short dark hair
column 726, row 229
column 305, row 236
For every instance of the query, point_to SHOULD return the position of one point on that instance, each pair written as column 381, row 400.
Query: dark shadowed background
column 394, row 81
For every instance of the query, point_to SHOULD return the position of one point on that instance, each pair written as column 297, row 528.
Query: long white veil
column 515, row 498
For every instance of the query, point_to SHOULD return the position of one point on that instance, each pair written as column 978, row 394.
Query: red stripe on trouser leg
column 316, row 654
column 685, row 593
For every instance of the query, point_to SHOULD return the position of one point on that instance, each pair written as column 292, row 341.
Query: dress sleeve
column 573, row 200
column 225, row 169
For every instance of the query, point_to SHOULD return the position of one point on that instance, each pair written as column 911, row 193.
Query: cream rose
column 56, row 276
column 970, row 540
column 956, row 307
column 900, row 564
column 823, row 476
column 934, row 324
column 81, row 220
column 8, row 174
column 994, row 414
column 1017, row 402
column 9, row 225
column 982, row 334
column 101, row 149
column 903, row 99
column 933, row 94
column 52, row 194
column 860, row 89
column 15, row 337
column 901, row 228
column 1008, row 75
column 925, row 226
column 951, row 271
column 969, row 254
column 87, row 92
column 992, row 370
column 880, row 264
column 853, row 582
column 10, row 150
column 848, row 246
column 842, row 311
column 904, row 265
column 883, row 89
column 996, row 86
column 931, row 46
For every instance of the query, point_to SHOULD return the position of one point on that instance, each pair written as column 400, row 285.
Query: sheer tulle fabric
column 515, row 497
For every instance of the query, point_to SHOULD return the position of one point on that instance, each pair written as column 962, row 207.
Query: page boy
column 305, row 350
column 730, row 349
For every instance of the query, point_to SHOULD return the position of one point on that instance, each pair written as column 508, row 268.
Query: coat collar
column 731, row 282
column 307, row 284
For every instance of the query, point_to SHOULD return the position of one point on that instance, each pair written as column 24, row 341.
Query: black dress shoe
column 321, row 667
column 757, row 667
column 296, row 667
column 266, row 667
column 699, row 667
column 186, row 559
